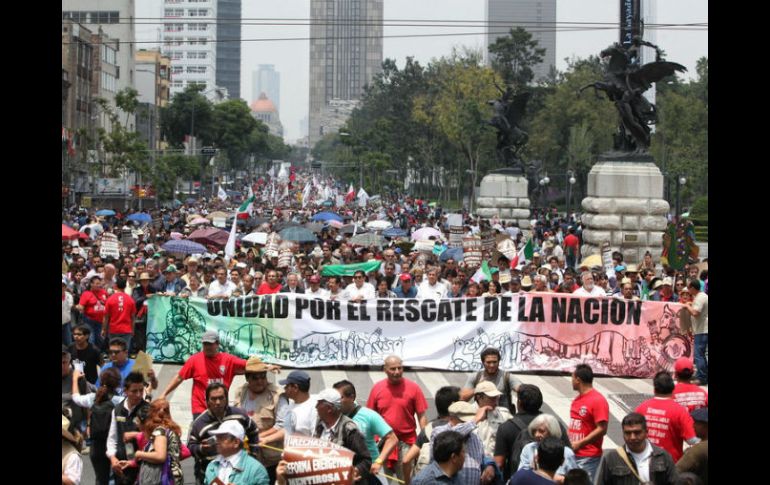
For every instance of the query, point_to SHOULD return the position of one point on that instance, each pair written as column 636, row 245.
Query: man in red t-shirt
column 685, row 393
column 119, row 313
column 92, row 305
column 589, row 415
column 668, row 422
column 397, row 400
column 571, row 248
column 206, row 367
column 271, row 286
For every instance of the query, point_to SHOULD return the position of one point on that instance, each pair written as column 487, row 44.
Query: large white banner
column 534, row 331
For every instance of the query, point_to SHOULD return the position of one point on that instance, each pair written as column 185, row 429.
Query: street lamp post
column 544, row 187
column 571, row 181
column 680, row 182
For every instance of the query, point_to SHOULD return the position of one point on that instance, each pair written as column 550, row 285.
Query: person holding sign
column 233, row 466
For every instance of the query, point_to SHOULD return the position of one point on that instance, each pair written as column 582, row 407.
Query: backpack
column 423, row 459
column 522, row 440
column 101, row 417
column 506, row 391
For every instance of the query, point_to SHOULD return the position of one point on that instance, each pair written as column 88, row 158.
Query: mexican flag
column 247, row 208
column 482, row 274
column 350, row 195
column 244, row 210
column 524, row 255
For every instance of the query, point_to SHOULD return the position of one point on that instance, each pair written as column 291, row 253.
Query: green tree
column 232, row 125
column 168, row 169
column 123, row 149
column 188, row 113
column 514, row 55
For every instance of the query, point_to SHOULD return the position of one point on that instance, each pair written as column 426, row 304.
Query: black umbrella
column 350, row 228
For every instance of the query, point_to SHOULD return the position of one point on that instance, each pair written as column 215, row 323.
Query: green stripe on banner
column 350, row 269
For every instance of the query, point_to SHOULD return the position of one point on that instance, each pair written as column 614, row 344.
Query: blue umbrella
column 327, row 216
column 184, row 246
column 105, row 212
column 394, row 232
column 299, row 234
column 452, row 253
column 140, row 217
column 328, row 203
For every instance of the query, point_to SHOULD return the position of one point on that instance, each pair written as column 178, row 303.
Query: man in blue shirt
column 119, row 359
column 406, row 289
column 449, row 457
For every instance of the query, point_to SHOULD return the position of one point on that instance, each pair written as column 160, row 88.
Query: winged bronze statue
column 509, row 111
column 624, row 83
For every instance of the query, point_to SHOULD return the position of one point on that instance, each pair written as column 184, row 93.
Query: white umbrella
column 256, row 238
column 380, row 225
column 426, row 233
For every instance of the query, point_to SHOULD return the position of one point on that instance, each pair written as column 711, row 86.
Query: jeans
column 125, row 336
column 66, row 334
column 590, row 464
column 96, row 333
column 701, row 364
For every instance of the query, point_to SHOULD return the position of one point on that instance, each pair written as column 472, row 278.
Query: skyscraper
column 345, row 53
column 228, row 35
column 266, row 80
column 538, row 17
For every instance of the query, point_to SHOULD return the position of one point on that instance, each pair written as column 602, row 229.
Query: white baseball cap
column 231, row 427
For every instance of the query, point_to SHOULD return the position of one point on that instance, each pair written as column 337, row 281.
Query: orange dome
column 263, row 105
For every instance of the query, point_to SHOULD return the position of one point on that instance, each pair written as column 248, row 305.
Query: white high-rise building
column 189, row 32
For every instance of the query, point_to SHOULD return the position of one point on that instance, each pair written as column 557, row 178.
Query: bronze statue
column 624, row 83
column 509, row 111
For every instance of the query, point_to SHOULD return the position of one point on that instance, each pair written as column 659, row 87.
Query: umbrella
column 592, row 260
column 68, row 233
column 215, row 237
column 367, row 239
column 336, row 224
column 316, row 227
column 190, row 201
column 351, row 228
column 425, row 233
column 200, row 220
column 452, row 253
column 176, row 203
column 177, row 235
column 380, row 224
column 105, row 212
column 192, row 217
column 327, row 203
column 184, row 246
column 256, row 238
column 298, row 234
column 394, row 232
column 327, row 216
column 140, row 217
column 285, row 225
column 217, row 214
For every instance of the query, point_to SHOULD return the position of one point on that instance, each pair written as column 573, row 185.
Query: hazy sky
column 290, row 57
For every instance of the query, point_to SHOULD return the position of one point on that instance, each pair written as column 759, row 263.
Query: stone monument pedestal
column 504, row 195
column 624, row 206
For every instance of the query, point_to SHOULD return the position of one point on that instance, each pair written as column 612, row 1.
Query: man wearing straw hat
column 71, row 462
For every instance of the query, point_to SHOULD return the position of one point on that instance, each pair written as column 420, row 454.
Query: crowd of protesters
column 499, row 435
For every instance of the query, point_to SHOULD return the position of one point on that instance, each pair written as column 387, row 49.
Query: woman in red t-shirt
column 92, row 306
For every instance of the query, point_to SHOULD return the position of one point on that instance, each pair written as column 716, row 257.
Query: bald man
column 397, row 400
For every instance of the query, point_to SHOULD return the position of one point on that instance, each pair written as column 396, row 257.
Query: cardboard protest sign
column 508, row 248
column 284, row 258
column 127, row 237
column 109, row 246
column 424, row 246
column 316, row 461
column 609, row 268
column 142, row 364
column 455, row 223
column 488, row 241
column 472, row 251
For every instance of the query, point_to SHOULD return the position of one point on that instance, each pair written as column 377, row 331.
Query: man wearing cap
column 119, row 313
column 487, row 395
column 221, row 287
column 588, row 288
column 232, row 465
column 406, row 289
column 340, row 429
column 671, row 422
column 267, row 405
column 665, row 291
column 315, row 290
column 206, row 367
column 632, row 273
column 172, row 284
column 192, row 269
column 301, row 416
column 369, row 423
column 696, row 458
column 202, row 440
column 397, row 399
column 464, row 419
column 685, row 392
column 698, row 308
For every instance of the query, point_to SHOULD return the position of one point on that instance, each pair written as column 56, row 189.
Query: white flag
column 222, row 194
column 230, row 246
column 306, row 195
column 363, row 197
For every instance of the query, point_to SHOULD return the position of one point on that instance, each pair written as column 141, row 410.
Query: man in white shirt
column 221, row 287
column 302, row 416
column 360, row 289
column 432, row 288
column 315, row 290
column 588, row 288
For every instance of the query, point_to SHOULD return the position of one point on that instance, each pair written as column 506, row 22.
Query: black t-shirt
column 506, row 437
column 90, row 358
